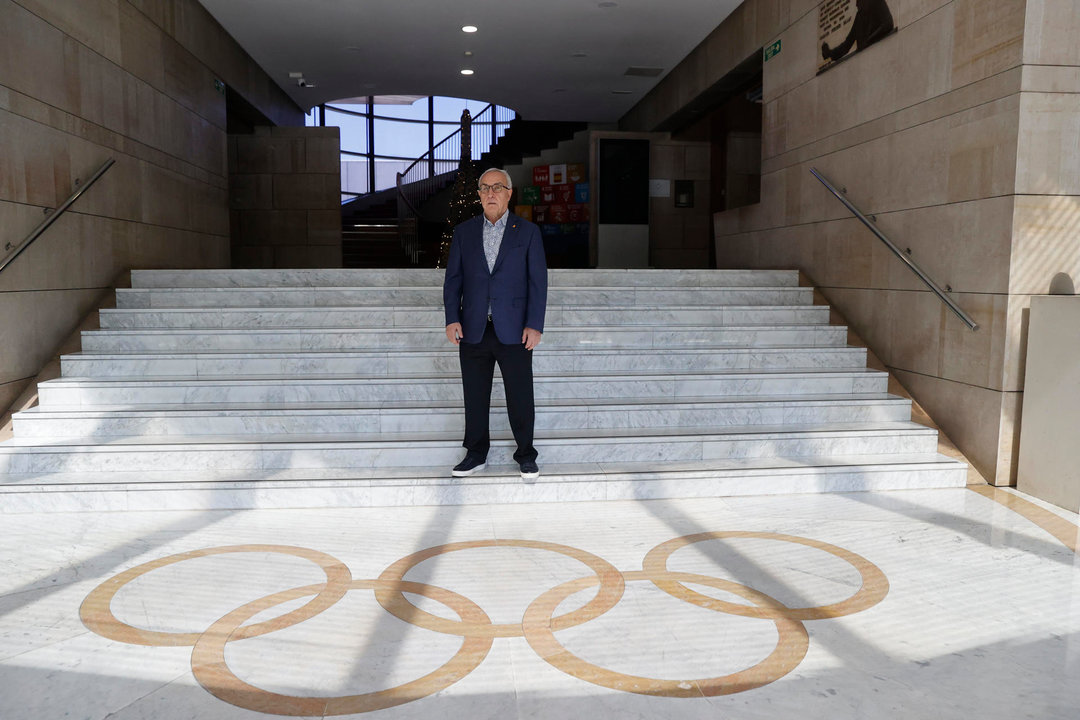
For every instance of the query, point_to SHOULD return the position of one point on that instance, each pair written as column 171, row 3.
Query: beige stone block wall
column 285, row 198
column 959, row 135
column 679, row 237
column 85, row 80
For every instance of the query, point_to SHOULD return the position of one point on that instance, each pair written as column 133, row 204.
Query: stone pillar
column 285, row 198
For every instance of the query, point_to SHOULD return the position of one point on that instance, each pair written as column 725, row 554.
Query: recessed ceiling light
column 296, row 75
column 468, row 53
column 466, row 71
column 468, row 28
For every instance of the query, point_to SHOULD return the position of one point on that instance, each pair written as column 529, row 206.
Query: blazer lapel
column 512, row 224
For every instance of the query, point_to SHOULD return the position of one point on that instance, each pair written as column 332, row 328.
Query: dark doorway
column 624, row 182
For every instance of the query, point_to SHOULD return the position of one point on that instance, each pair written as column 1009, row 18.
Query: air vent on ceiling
column 643, row 72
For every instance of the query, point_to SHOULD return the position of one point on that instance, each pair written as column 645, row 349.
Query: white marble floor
column 956, row 603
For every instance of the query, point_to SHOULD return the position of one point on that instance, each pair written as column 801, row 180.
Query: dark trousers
column 477, row 371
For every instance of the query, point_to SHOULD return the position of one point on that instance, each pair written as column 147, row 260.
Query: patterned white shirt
column 493, row 236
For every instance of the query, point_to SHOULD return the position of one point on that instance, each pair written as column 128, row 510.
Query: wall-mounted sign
column 772, row 50
column 846, row 26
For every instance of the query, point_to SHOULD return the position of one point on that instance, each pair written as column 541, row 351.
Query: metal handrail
column 912, row 265
column 430, row 154
column 427, row 175
column 44, row 224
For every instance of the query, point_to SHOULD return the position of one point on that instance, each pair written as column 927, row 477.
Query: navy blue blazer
column 516, row 287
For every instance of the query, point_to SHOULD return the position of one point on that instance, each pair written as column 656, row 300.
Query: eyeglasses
column 496, row 188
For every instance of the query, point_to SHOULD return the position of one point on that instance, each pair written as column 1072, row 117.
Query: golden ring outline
column 97, row 615
column 874, row 588
column 394, row 602
column 791, row 646
column 538, row 624
column 213, row 673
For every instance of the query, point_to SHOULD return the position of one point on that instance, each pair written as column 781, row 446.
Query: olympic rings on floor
column 611, row 590
column 789, row 652
column 538, row 627
column 213, row 673
column 96, row 611
column 874, row 583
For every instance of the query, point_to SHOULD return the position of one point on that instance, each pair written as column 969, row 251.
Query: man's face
column 495, row 203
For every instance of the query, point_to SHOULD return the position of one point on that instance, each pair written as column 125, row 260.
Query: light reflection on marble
column 426, row 338
column 414, row 362
column 380, row 296
column 117, row 392
column 360, row 418
column 982, row 613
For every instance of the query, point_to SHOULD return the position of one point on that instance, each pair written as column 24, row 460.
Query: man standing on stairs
column 495, row 296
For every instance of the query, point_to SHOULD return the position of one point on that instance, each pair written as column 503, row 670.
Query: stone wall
column 285, row 197
column 678, row 236
column 82, row 81
column 959, row 133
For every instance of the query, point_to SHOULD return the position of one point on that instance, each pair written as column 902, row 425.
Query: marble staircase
column 245, row 388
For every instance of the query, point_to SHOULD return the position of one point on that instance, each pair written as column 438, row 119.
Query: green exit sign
column 772, row 50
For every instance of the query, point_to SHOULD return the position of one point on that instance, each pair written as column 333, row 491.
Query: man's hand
column 531, row 338
column 454, row 333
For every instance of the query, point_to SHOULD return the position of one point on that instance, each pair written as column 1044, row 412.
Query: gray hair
column 508, row 183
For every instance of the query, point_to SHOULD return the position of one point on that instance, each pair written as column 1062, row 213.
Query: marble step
column 427, row 338
column 286, row 389
column 419, row 277
column 559, row 482
column 554, row 446
column 411, row 317
column 263, row 297
column 362, row 418
column 412, row 362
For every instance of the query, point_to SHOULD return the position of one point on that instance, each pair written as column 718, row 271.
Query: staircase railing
column 912, row 265
column 52, row 216
column 431, row 172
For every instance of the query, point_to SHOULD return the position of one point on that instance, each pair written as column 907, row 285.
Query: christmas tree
column 464, row 203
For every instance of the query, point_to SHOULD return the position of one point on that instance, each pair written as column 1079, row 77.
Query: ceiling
column 526, row 55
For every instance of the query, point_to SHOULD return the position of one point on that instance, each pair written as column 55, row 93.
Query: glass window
column 354, row 174
column 360, row 108
column 416, row 110
column 448, row 109
column 444, row 131
column 386, row 172
column 401, row 139
column 353, row 130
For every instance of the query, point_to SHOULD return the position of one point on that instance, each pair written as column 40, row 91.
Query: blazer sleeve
column 538, row 281
column 453, row 281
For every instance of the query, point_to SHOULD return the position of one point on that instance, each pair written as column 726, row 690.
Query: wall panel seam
column 141, row 223
column 877, row 213
column 238, row 46
column 116, row 140
column 893, row 368
column 892, row 131
column 192, row 110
